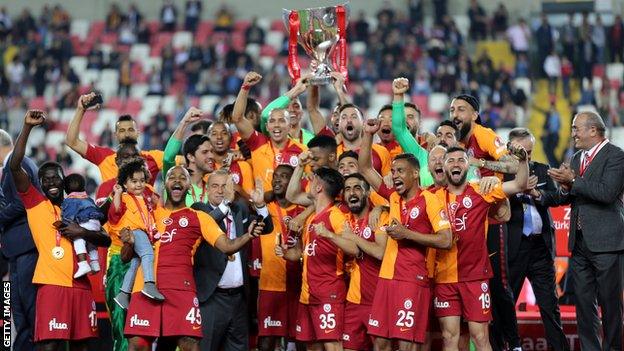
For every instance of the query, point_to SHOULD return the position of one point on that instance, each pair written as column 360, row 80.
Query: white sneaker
column 95, row 265
column 83, row 268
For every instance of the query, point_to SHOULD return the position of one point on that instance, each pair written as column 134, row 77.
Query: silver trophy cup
column 318, row 33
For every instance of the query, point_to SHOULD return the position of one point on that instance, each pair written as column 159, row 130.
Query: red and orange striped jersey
column 405, row 259
column 323, row 262
column 468, row 259
column 275, row 271
column 41, row 214
column 265, row 157
column 104, row 159
column 181, row 232
column 380, row 157
column 393, row 148
column 485, row 144
column 365, row 269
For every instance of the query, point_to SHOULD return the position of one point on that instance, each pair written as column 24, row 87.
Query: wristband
column 245, row 87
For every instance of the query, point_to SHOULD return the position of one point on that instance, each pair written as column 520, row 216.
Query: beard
column 465, row 129
column 129, row 140
column 358, row 207
column 462, row 180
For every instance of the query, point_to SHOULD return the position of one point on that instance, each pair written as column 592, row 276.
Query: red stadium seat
column 268, row 50
column 153, row 26
column 384, row 87
column 277, row 25
column 422, row 101
column 204, row 29
column 38, row 103
column 97, row 28
column 598, row 70
column 238, row 41
column 108, row 38
column 241, row 25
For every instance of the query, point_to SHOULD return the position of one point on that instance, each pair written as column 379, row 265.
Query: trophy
column 322, row 34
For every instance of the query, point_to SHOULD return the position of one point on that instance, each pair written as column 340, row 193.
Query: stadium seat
column 264, row 23
column 38, row 103
column 182, row 40
column 428, row 124
column 241, row 25
column 253, row 50
column 80, row 28
column 615, row 71
column 357, row 48
column 524, row 84
column 152, row 63
column 55, row 139
column 617, row 136
column 438, row 102
column 384, row 87
column 90, row 76
column 106, row 119
column 275, row 39
column 463, row 24
column 208, row 102
column 109, row 83
column 268, row 50
column 277, row 25
column 139, row 91
column 377, row 101
column 78, row 64
column 204, row 29
column 66, row 115
column 139, row 52
column 266, row 62
column 168, row 104
column 598, row 70
column 597, row 83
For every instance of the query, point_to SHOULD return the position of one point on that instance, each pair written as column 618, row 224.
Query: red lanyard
column 278, row 153
column 149, row 229
column 280, row 216
column 58, row 233
column 585, row 161
column 322, row 213
column 404, row 208
column 228, row 226
column 203, row 193
column 358, row 225
column 450, row 211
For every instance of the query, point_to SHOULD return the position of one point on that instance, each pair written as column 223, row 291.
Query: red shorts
column 470, row 300
column 273, row 313
column 293, row 308
column 178, row 315
column 355, row 335
column 397, row 311
column 64, row 313
column 322, row 322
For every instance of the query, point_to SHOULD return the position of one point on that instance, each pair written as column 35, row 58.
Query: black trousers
column 504, row 328
column 225, row 323
column 23, row 298
column 534, row 262
column 598, row 281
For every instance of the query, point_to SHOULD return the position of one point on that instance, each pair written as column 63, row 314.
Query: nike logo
column 404, row 329
column 540, row 184
column 196, row 327
column 329, row 331
column 493, row 253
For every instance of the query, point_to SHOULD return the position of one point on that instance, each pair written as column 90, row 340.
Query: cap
column 472, row 101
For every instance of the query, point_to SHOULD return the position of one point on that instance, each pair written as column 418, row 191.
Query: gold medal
column 58, row 252
column 231, row 258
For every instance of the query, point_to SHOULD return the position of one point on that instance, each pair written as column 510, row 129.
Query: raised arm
column 365, row 162
column 72, row 139
column 312, row 104
column 521, row 180
column 244, row 126
column 283, row 101
column 32, row 119
column 175, row 141
column 340, row 87
column 230, row 246
column 294, row 193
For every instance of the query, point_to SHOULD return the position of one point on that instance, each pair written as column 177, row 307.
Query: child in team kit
column 80, row 208
column 130, row 209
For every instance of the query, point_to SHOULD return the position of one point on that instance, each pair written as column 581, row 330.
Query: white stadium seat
column 357, row 48
column 438, row 102
column 139, row 52
column 524, row 84
column 266, row 62
column 80, row 28
column 208, row 102
column 615, row 71
column 89, row 76
column 253, row 50
column 275, row 39
column 78, row 64
column 182, row 40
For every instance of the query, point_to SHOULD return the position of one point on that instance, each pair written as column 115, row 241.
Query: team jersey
column 468, row 259
column 380, row 156
column 485, row 144
column 265, row 157
column 135, row 213
column 405, row 259
column 276, row 272
column 41, row 214
column 242, row 175
column 104, row 159
column 181, row 232
column 364, row 270
column 322, row 278
column 393, row 148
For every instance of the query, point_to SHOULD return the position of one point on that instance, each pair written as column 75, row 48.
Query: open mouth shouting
column 177, row 190
column 54, row 192
column 399, row 186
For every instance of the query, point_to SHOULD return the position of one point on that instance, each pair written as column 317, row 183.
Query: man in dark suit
column 593, row 184
column 530, row 243
column 18, row 246
column 221, row 279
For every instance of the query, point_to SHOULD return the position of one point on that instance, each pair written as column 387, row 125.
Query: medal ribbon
column 146, row 218
column 293, row 60
column 404, row 208
column 342, row 41
column 589, row 157
column 203, row 193
column 58, row 233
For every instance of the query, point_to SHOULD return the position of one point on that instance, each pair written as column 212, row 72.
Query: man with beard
column 198, row 156
column 323, row 291
column 385, row 131
column 313, row 105
column 103, row 157
column 278, row 148
column 280, row 280
column 364, row 269
column 462, row 273
column 291, row 103
column 487, row 152
column 182, row 229
column 321, row 153
column 401, row 132
column 220, row 138
column 65, row 310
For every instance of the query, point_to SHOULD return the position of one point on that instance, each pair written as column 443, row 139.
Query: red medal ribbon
column 293, row 60
column 203, row 193
column 585, row 161
column 58, row 233
column 409, row 204
column 342, row 41
column 146, row 219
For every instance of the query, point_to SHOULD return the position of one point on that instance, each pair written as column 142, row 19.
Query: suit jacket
column 210, row 262
column 596, row 200
column 514, row 226
column 16, row 238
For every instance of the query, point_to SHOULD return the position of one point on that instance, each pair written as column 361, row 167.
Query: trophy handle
column 293, row 59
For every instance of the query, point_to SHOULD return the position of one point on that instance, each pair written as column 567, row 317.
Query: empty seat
column 139, row 52
column 253, row 50
column 208, row 102
column 78, row 64
column 275, row 39
column 384, row 87
column 438, row 102
column 615, row 71
column 80, row 28
column 89, row 76
column 139, row 90
column 524, row 84
column 182, row 40
column 266, row 62
column 357, row 48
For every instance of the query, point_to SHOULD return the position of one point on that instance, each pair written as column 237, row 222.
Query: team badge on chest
column 183, row 222
column 467, row 202
column 414, row 213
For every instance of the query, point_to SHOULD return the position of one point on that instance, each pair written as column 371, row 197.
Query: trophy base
column 322, row 80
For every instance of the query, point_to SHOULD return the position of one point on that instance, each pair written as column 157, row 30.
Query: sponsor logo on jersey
column 441, row 304
column 366, row 233
column 407, row 304
column 467, row 202
column 414, row 212
column 484, row 286
column 136, row 321
column 310, row 249
column 268, row 322
column 54, row 325
column 327, row 307
column 183, row 222
column 373, row 322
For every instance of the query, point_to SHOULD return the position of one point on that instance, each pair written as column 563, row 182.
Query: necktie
column 527, row 226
